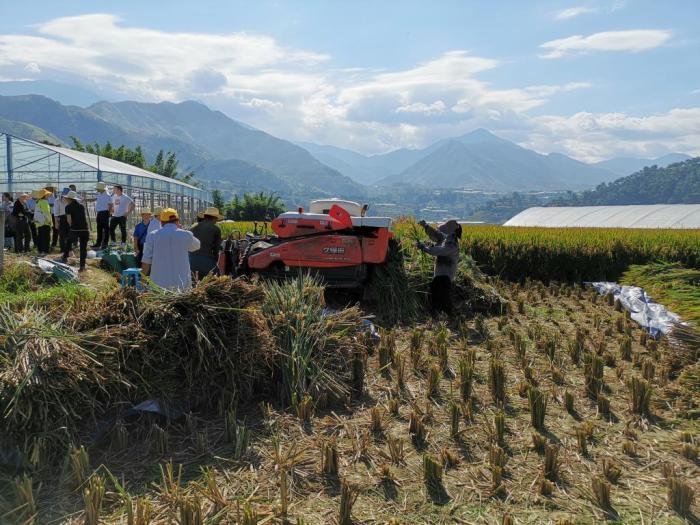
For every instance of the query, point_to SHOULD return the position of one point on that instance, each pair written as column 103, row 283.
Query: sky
column 587, row 78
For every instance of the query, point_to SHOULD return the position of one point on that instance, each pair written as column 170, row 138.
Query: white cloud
column 33, row 68
column 263, row 103
column 300, row 94
column 572, row 12
column 631, row 40
column 435, row 108
column 595, row 136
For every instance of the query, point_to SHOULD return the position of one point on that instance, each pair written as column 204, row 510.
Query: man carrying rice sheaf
column 446, row 253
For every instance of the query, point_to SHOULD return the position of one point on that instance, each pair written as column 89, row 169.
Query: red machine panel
column 326, row 251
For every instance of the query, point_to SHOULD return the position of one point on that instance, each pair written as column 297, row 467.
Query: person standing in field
column 31, row 206
column 122, row 206
column 79, row 232
column 52, row 202
column 203, row 261
column 166, row 253
column 103, row 204
column 43, row 221
column 140, row 233
column 7, row 206
column 21, row 219
column 446, row 252
column 60, row 220
column 155, row 221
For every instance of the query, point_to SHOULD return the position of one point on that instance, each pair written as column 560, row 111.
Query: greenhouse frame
column 26, row 165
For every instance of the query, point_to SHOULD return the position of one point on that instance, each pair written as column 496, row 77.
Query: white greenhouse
column 671, row 216
column 26, row 165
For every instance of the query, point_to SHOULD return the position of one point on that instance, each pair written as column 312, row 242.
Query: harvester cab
column 335, row 240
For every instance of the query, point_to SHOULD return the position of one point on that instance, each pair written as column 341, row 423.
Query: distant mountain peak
column 479, row 135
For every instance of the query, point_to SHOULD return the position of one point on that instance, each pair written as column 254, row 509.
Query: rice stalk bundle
column 626, row 349
column 454, row 419
column 25, row 510
column 593, row 372
column 93, row 495
column 680, row 495
column 601, row 492
column 416, row 428
column 551, row 462
column 640, row 395
column 348, row 496
column 396, row 450
column 648, row 369
column 432, row 474
column 611, row 470
column 538, row 442
column 466, row 376
column 190, row 511
column 499, row 424
column 537, row 402
column 329, row 458
column 497, row 381
column 432, row 387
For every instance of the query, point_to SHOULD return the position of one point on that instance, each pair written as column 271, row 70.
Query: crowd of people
column 42, row 221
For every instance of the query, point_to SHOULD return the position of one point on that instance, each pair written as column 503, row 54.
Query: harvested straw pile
column 184, row 349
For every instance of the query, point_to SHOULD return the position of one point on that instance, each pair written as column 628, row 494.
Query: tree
column 218, row 199
column 165, row 163
column 254, row 207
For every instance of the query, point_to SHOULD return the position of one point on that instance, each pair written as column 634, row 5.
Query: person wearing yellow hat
column 43, row 220
column 140, row 232
column 203, row 261
column 165, row 253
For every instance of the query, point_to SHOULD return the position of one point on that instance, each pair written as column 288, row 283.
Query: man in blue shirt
column 140, row 233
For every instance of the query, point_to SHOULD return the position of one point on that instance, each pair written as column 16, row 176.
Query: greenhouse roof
column 672, row 216
column 26, row 164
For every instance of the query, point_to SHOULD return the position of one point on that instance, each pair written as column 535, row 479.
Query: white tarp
column 647, row 313
column 675, row 216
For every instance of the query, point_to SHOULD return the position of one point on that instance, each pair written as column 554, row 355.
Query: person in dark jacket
column 203, row 261
column 140, row 232
column 23, row 235
column 78, row 227
column 446, row 252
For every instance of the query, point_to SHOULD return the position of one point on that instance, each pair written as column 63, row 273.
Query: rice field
column 541, row 402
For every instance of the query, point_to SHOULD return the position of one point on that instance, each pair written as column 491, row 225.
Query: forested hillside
column 678, row 183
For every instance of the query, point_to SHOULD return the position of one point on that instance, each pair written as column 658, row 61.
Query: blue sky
column 591, row 79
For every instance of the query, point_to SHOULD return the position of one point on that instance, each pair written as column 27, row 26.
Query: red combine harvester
column 334, row 240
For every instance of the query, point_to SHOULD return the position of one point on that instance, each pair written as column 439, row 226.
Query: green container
column 112, row 262
column 128, row 260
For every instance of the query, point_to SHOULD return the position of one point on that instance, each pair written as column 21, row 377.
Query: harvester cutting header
column 335, row 239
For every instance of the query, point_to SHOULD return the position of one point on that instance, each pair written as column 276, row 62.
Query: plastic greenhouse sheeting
column 643, row 310
column 673, row 216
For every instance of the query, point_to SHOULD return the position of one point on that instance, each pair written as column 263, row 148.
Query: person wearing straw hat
column 103, row 205
column 203, row 261
column 155, row 221
column 140, row 232
column 79, row 231
column 20, row 214
column 165, row 254
column 43, row 221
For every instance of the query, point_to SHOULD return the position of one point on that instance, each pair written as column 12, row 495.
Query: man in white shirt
column 103, row 204
column 155, row 221
column 166, row 253
column 122, row 206
column 60, row 220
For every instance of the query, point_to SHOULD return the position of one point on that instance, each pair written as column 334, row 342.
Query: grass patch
column 671, row 284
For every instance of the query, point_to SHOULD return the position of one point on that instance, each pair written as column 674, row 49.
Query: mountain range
column 235, row 157
column 222, row 152
column 480, row 160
